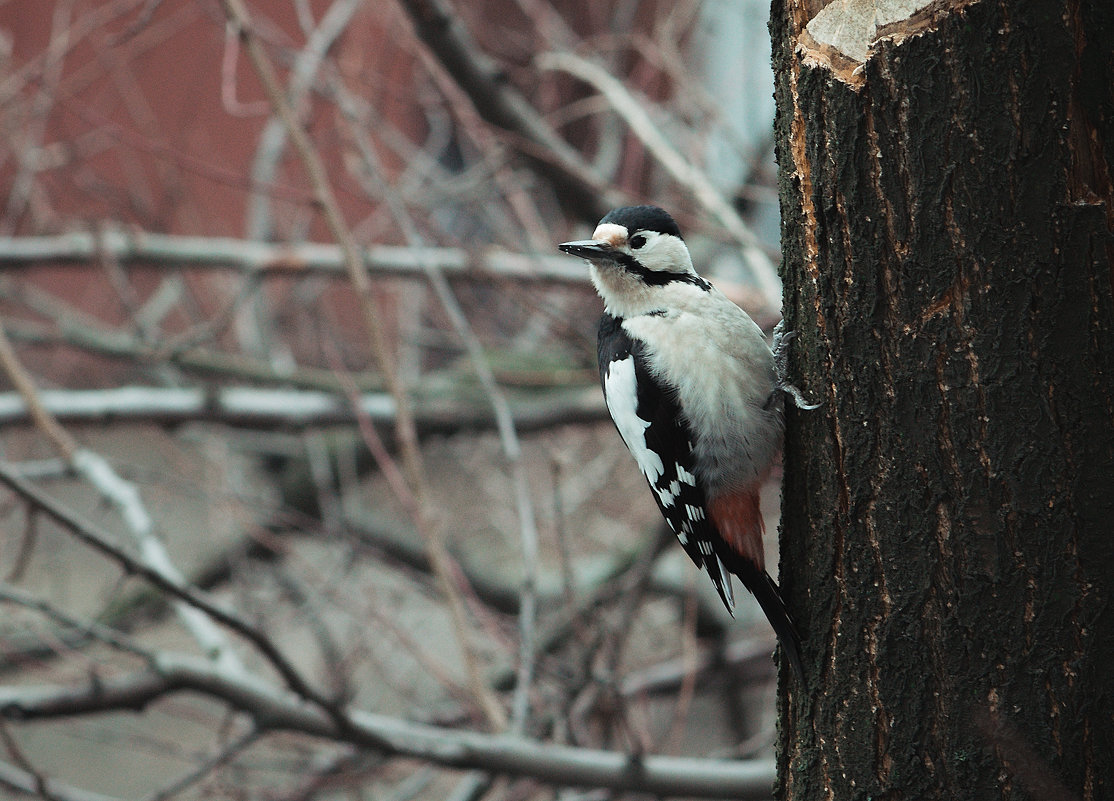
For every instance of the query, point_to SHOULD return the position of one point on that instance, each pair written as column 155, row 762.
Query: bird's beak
column 591, row 249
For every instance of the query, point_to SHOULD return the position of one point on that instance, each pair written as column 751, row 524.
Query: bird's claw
column 782, row 338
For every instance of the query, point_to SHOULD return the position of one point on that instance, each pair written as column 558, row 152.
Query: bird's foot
column 782, row 338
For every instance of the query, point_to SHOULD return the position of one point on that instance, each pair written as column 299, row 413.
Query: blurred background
column 315, row 354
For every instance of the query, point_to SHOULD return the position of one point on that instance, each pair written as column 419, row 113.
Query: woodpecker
column 696, row 394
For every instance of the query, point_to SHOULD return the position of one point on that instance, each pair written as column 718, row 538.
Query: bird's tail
column 737, row 517
column 769, row 598
column 758, row 581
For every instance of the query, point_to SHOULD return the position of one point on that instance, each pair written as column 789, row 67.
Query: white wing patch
column 667, row 495
column 621, row 394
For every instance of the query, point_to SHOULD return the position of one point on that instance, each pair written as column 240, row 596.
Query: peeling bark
column 948, row 522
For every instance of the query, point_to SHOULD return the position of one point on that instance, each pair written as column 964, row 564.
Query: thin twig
column 272, row 139
column 226, row 754
column 560, row 530
column 17, row 780
column 405, row 429
column 93, row 536
column 334, row 217
column 688, row 682
column 29, row 147
column 580, row 189
column 97, row 631
column 255, row 323
column 40, row 782
column 596, row 682
column 504, row 423
column 124, row 497
column 43, row 420
column 440, row 561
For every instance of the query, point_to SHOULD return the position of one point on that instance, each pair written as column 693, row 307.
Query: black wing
column 655, row 431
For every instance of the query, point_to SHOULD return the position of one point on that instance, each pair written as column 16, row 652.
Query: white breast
column 718, row 361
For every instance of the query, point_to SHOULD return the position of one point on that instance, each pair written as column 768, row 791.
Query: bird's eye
column 637, row 241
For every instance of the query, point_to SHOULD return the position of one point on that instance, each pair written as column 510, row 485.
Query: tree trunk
column 948, row 512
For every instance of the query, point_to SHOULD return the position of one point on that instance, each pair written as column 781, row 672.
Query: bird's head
column 634, row 251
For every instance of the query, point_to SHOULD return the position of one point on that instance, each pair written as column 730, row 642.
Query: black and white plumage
column 693, row 389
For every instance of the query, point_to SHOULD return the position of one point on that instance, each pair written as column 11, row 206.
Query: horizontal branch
column 504, row 754
column 125, row 345
column 200, row 252
column 260, row 407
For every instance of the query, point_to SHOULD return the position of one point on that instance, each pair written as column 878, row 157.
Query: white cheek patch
column 622, row 401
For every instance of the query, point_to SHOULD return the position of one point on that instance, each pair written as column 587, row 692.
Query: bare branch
column 125, row 498
column 29, row 148
column 97, row 631
column 508, row 438
column 93, row 536
column 505, row 754
column 743, row 656
column 688, row 174
column 260, row 407
column 58, row 437
column 272, row 139
column 221, row 253
column 225, row 754
column 405, row 429
column 75, row 332
column 254, row 323
column 579, row 188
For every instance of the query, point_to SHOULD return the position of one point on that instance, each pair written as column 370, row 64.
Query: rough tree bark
column 947, row 544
